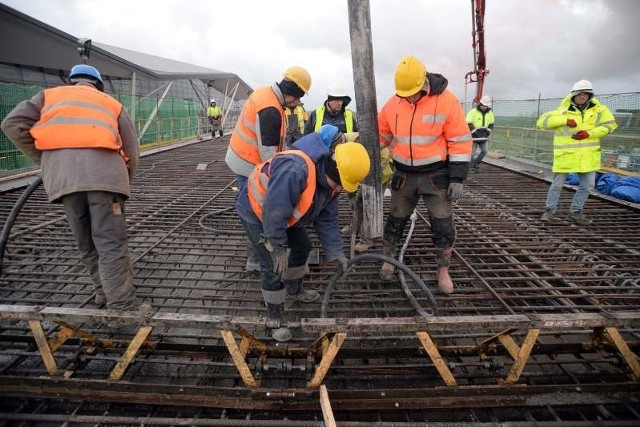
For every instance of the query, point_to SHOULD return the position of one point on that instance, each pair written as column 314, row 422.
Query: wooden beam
column 327, row 360
column 523, row 356
column 441, row 366
column 43, row 346
column 130, row 353
column 325, row 404
column 239, row 359
column 628, row 356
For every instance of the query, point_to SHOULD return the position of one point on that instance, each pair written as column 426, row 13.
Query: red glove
column 571, row 123
column 583, row 134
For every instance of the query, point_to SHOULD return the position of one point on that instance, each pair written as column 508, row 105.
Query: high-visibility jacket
column 214, row 112
column 348, row 119
column 78, row 116
column 258, row 183
column 479, row 121
column 571, row 155
column 244, row 147
column 420, row 135
column 301, row 117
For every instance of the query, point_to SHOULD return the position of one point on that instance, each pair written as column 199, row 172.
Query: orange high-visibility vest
column 428, row 132
column 244, row 139
column 258, row 183
column 77, row 117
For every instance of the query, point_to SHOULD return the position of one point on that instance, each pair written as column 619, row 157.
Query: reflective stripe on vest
column 244, row 139
column 258, row 184
column 77, row 117
column 348, row 119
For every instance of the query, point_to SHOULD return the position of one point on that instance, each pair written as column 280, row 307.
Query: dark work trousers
column 298, row 241
column 432, row 187
column 97, row 219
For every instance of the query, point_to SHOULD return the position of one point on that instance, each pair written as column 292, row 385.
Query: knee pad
column 393, row 228
column 444, row 231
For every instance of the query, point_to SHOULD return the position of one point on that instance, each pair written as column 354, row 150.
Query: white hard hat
column 486, row 100
column 582, row 86
column 337, row 91
column 212, row 100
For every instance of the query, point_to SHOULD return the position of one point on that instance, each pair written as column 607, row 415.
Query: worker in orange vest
column 87, row 147
column 425, row 128
column 261, row 127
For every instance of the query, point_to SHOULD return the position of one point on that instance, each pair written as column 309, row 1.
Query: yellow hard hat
column 352, row 161
column 410, row 76
column 300, row 77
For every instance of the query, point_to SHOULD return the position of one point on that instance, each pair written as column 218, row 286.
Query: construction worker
column 296, row 119
column 333, row 111
column 430, row 143
column 261, row 128
column 283, row 195
column 214, row 114
column 88, row 151
column 480, row 121
column 579, row 122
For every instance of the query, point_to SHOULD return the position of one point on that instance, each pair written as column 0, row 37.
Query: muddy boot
column 387, row 271
column 443, row 259
column 100, row 298
column 275, row 315
column 295, row 291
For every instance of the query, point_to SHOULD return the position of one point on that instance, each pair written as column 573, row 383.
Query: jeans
column 298, row 241
column 587, row 182
column 484, row 149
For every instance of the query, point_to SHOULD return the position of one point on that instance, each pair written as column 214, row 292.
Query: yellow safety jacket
column 301, row 116
column 571, row 155
column 214, row 112
column 348, row 119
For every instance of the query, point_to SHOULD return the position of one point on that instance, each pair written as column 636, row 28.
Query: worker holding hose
column 425, row 128
column 283, row 195
column 87, row 147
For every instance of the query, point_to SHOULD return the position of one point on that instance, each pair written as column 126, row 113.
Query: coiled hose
column 8, row 225
column 383, row 258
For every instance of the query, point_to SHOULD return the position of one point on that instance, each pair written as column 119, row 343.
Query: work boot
column 296, row 292
column 547, row 216
column 144, row 309
column 275, row 315
column 100, row 298
column 579, row 218
column 443, row 259
column 345, row 231
column 363, row 245
column 386, row 271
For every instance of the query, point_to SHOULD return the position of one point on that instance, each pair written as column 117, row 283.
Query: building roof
column 34, row 43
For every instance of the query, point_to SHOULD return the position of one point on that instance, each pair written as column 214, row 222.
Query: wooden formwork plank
column 432, row 350
column 623, row 348
column 130, row 353
column 523, row 356
column 238, row 358
column 60, row 338
column 510, row 344
column 43, row 346
column 325, row 404
column 327, row 359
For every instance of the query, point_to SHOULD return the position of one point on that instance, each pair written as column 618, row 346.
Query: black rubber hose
column 8, row 225
column 383, row 258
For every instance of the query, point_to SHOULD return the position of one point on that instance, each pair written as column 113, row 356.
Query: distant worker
column 430, row 143
column 88, row 151
column 296, row 119
column 334, row 111
column 480, row 120
column 214, row 113
column 293, row 189
column 579, row 122
column 261, row 128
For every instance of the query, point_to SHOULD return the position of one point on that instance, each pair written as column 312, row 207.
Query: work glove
column 571, row 123
column 455, row 191
column 343, row 263
column 583, row 134
column 279, row 257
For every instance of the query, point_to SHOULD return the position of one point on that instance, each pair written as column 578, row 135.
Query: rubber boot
column 443, row 259
column 295, row 291
column 275, row 315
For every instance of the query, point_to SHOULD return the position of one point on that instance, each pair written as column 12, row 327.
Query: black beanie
column 290, row 88
column 331, row 169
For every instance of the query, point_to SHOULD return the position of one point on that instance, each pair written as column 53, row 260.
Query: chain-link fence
column 515, row 134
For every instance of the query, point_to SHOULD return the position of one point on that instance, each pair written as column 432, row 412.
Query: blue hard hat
column 84, row 70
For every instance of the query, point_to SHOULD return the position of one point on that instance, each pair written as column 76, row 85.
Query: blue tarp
column 628, row 189
column 606, row 183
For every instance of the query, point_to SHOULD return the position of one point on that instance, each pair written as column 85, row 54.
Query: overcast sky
column 534, row 46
